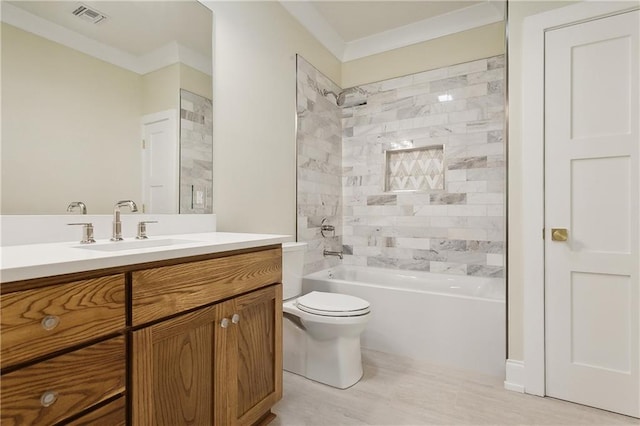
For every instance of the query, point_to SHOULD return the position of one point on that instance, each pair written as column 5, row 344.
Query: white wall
column 254, row 94
column 518, row 11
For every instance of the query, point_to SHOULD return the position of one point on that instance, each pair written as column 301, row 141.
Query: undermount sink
column 133, row 245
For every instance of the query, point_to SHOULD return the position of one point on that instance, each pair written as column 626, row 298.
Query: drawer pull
column 50, row 322
column 48, row 398
column 235, row 318
column 224, row 323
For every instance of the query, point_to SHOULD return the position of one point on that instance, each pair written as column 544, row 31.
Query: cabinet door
column 173, row 370
column 254, row 359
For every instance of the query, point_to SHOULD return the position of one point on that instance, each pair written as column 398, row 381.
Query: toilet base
column 335, row 362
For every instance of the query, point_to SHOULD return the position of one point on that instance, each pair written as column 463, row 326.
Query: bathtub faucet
column 332, row 253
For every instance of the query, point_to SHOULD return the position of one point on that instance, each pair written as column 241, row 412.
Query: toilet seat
column 332, row 304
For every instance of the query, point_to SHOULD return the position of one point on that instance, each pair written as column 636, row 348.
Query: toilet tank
column 292, row 267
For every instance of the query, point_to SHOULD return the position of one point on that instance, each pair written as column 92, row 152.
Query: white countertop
column 42, row 260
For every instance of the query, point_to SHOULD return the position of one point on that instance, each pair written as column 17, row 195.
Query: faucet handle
column 142, row 229
column 87, row 232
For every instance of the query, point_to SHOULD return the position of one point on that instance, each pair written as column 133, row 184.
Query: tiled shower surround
column 319, row 147
column 196, row 147
column 455, row 230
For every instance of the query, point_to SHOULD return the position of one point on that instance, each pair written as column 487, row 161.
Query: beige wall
column 70, row 128
column 254, row 94
column 196, row 81
column 161, row 89
column 453, row 49
column 518, row 11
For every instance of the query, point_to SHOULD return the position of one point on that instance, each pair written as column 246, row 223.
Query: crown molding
column 487, row 12
column 159, row 58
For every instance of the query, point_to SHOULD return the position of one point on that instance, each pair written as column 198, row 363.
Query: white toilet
column 321, row 331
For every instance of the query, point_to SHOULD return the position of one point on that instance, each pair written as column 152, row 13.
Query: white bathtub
column 445, row 319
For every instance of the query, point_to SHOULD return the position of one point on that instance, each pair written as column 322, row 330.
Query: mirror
column 104, row 101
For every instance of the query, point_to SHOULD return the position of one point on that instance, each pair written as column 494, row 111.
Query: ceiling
column 136, row 27
column 353, row 20
column 352, row 29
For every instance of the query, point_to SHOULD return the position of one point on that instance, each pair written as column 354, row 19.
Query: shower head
column 339, row 97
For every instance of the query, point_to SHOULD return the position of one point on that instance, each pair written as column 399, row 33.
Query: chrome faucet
column 332, row 253
column 72, row 205
column 117, row 225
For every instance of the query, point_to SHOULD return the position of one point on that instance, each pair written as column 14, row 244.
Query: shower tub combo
column 445, row 319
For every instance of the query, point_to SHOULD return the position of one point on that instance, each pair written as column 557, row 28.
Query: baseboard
column 514, row 376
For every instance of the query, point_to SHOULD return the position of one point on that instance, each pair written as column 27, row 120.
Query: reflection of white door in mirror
column 160, row 162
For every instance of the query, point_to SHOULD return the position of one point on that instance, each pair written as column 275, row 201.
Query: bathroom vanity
column 187, row 333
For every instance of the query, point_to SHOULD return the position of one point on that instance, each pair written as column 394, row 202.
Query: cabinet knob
column 48, row 398
column 224, row 323
column 235, row 318
column 50, row 322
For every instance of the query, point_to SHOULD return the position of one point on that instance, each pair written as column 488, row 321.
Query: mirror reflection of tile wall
column 196, row 147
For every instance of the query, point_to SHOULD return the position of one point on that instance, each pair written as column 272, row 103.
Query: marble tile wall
column 196, row 153
column 319, row 151
column 458, row 230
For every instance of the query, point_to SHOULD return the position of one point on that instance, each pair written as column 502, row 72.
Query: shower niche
column 414, row 169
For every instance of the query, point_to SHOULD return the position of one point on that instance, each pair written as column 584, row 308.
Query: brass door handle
column 559, row 234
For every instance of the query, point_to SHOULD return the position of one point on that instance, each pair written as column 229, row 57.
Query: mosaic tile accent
column 196, row 153
column 415, row 169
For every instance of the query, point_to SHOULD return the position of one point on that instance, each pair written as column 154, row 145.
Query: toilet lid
column 332, row 304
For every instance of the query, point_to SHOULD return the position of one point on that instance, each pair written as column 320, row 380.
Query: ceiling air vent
column 89, row 14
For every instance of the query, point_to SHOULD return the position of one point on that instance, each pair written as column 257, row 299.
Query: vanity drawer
column 52, row 390
column 112, row 414
column 167, row 290
column 44, row 320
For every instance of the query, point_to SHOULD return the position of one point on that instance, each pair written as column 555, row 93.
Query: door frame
column 534, row 29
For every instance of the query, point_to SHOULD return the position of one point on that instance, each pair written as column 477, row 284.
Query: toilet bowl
column 321, row 331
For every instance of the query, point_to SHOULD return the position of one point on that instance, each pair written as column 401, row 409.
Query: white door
column 592, row 182
column 160, row 162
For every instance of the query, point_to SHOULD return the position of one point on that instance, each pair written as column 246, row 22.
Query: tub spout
column 332, row 253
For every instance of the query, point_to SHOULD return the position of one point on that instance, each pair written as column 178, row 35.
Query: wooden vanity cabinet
column 195, row 341
column 220, row 364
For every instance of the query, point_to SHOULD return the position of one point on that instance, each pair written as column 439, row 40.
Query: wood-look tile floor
column 401, row 391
